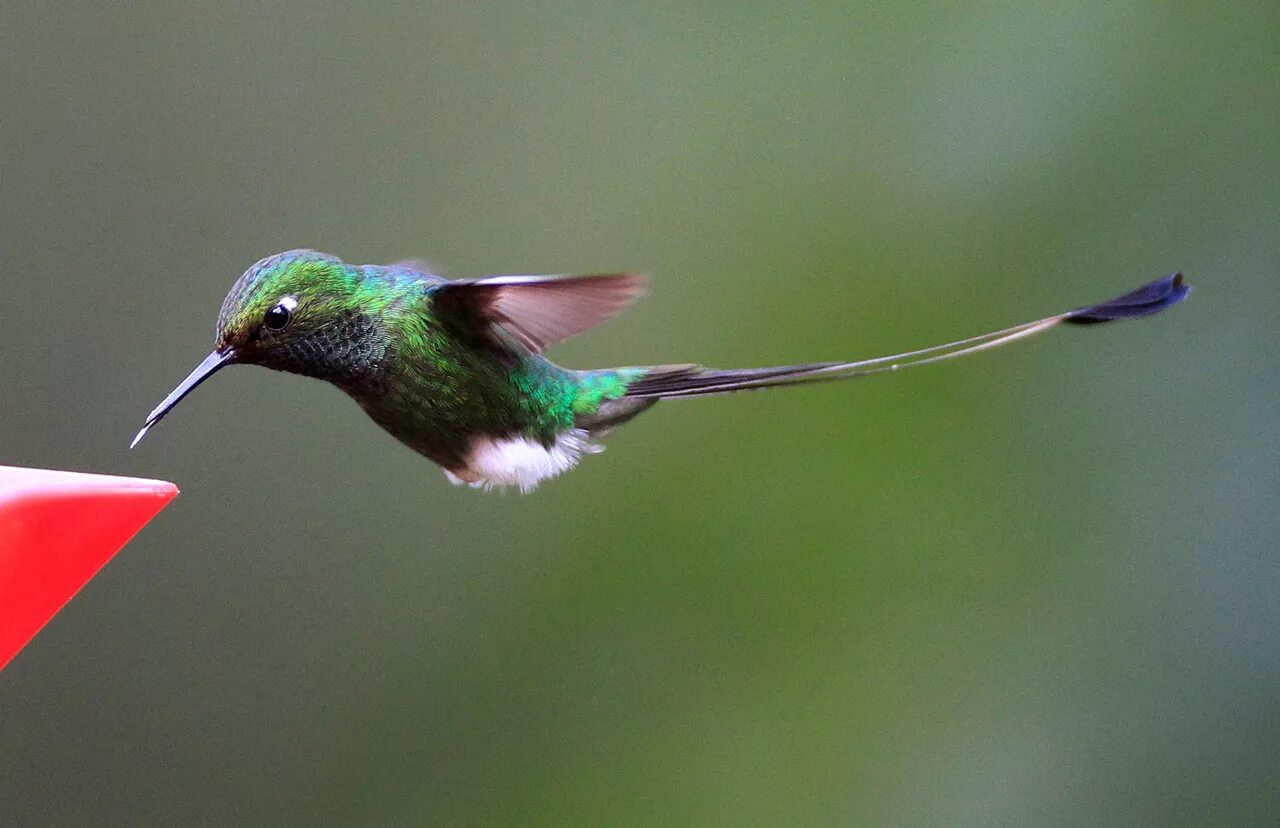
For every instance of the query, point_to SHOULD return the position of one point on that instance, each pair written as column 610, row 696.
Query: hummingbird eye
column 279, row 316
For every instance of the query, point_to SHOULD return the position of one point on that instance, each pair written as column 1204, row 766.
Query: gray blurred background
column 1038, row 587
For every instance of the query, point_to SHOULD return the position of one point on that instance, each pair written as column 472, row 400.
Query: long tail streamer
column 672, row 382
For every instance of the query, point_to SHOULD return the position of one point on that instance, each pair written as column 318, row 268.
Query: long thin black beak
column 202, row 372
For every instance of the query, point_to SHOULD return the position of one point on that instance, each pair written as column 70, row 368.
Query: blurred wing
column 419, row 265
column 536, row 310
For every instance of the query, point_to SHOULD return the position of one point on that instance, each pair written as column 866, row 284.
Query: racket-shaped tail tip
column 1146, row 300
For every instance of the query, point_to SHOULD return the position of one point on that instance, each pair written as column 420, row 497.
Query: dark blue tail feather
column 666, row 382
column 1146, row 300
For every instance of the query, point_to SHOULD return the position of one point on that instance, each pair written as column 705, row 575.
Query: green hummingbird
column 454, row 368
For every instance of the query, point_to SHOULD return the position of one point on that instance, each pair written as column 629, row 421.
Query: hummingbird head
column 300, row 311
column 304, row 312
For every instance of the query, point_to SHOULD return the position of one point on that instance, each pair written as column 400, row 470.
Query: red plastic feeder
column 57, row 529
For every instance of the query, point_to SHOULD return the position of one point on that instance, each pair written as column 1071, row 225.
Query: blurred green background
column 1038, row 587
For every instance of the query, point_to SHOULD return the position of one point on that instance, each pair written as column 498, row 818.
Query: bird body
column 454, row 368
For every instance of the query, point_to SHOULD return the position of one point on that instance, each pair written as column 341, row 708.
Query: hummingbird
column 454, row 368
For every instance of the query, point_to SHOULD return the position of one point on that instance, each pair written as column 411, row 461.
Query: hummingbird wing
column 535, row 311
column 420, row 265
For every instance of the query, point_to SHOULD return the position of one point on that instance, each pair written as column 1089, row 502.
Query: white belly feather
column 519, row 461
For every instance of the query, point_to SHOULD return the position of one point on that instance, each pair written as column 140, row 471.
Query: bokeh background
column 1038, row 587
